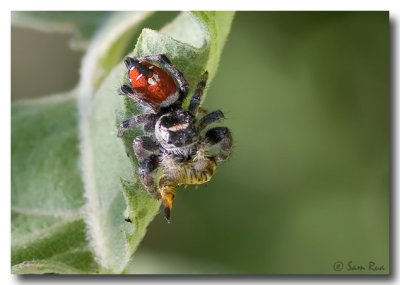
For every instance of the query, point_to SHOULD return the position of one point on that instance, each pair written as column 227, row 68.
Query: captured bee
column 180, row 148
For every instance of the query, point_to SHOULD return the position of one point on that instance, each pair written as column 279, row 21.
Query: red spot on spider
column 155, row 86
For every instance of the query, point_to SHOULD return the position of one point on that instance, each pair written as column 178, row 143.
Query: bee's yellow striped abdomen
column 187, row 175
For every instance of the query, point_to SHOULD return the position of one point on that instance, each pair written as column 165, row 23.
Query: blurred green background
column 306, row 95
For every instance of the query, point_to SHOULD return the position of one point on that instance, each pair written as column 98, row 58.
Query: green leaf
column 104, row 162
column 48, row 228
column 61, row 224
column 82, row 25
column 193, row 43
column 41, row 233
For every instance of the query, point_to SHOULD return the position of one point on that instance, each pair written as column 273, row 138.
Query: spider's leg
column 145, row 119
column 165, row 63
column 222, row 137
column 147, row 152
column 128, row 91
column 198, row 93
column 213, row 117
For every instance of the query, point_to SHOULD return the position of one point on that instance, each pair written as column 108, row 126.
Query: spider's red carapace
column 153, row 84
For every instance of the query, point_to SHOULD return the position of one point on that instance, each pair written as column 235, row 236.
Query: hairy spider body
column 179, row 147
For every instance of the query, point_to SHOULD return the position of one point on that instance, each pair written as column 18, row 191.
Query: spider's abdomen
column 153, row 83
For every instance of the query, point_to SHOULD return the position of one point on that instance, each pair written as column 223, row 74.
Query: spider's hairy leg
column 198, row 93
column 144, row 119
column 213, row 117
column 222, row 137
column 147, row 153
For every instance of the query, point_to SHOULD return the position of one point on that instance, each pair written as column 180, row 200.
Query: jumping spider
column 179, row 146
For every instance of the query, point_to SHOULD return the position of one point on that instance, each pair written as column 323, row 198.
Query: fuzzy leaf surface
column 48, row 229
